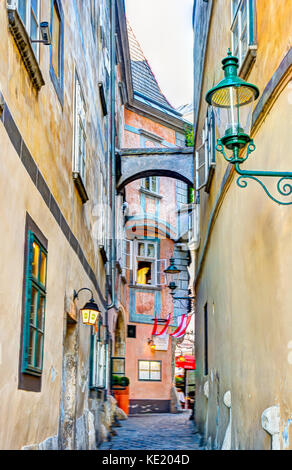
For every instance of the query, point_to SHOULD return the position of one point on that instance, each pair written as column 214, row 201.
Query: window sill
column 248, row 62
column 80, row 187
column 150, row 193
column 32, row 371
column 144, row 286
column 23, row 43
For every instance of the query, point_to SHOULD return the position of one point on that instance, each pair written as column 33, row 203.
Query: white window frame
column 236, row 18
column 158, row 277
column 79, row 126
column 102, row 212
column 29, row 11
column 125, row 254
column 149, row 379
column 151, row 179
column 94, row 16
column 147, row 259
column 99, row 363
column 208, row 148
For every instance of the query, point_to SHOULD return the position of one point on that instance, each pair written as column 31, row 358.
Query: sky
column 164, row 30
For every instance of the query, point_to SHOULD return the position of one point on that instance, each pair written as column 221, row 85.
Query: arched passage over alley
column 175, row 163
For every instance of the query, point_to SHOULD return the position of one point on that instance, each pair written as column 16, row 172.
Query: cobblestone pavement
column 155, row 432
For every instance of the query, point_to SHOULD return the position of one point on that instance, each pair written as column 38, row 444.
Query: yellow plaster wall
column 29, row 418
column 245, row 278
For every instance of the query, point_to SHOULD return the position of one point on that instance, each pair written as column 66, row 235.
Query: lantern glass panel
column 172, row 277
column 233, row 108
column 89, row 317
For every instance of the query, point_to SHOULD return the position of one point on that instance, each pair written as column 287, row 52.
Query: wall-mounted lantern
column 232, row 101
column 151, row 344
column 172, row 273
column 90, row 312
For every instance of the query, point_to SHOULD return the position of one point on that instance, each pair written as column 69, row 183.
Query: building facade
column 153, row 229
column 55, row 132
column 242, row 265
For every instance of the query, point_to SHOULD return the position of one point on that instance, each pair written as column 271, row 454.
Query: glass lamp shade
column 233, row 101
column 90, row 313
column 233, row 107
column 172, row 272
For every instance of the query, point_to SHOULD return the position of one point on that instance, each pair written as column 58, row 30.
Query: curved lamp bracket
column 76, row 294
column 284, row 189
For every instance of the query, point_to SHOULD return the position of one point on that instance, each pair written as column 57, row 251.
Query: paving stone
column 156, row 432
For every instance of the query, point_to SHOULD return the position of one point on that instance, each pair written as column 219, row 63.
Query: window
column 102, row 209
column 93, row 16
column 97, row 361
column 79, row 158
column 29, row 12
column 35, row 304
column 205, row 154
column 180, row 140
column 151, row 184
column 131, row 331
column 125, row 254
column 56, row 26
column 149, row 371
column 118, row 368
column 57, row 33
column 243, row 30
column 148, row 269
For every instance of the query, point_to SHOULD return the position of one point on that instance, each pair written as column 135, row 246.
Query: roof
column 145, row 85
column 186, row 109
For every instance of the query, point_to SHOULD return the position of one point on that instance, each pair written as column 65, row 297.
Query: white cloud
column 164, row 31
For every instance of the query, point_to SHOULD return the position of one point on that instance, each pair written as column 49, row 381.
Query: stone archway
column 120, row 336
column 175, row 163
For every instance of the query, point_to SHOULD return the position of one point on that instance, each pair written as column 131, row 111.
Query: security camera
column 45, row 33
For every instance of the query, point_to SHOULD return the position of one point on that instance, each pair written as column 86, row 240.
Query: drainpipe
column 112, row 172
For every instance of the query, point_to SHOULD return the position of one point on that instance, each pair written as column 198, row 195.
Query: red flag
column 179, row 326
column 154, row 331
column 165, row 327
column 179, row 332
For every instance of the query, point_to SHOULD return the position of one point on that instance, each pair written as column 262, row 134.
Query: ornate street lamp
column 232, row 101
column 172, row 273
column 90, row 312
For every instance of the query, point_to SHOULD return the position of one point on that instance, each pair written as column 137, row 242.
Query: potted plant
column 121, row 391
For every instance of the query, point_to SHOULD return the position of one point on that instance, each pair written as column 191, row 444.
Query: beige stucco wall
column 245, row 278
column 29, row 418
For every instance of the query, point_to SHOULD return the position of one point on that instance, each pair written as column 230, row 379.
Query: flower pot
column 122, row 397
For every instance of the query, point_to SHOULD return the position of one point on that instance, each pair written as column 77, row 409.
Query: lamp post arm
column 284, row 189
column 76, row 294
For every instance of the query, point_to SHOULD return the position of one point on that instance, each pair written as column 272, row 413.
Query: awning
column 185, row 362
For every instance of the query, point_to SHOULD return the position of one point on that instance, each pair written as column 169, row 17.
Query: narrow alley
column 155, row 432
column 145, row 229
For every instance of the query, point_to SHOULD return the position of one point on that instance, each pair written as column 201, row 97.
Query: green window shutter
column 213, row 137
column 33, row 327
column 28, row 291
column 252, row 6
